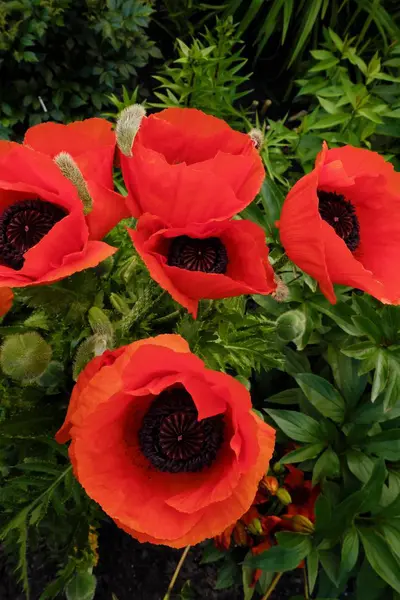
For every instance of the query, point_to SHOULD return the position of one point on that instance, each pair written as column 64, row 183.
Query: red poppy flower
column 171, row 450
column 6, row 300
column 218, row 259
column 341, row 223
column 91, row 143
column 185, row 148
column 44, row 234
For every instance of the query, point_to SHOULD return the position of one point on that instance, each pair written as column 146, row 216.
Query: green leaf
column 226, row 575
column 385, row 444
column 291, row 396
column 367, row 327
column 360, row 464
column 336, row 39
column 350, row 550
column 380, row 557
column 330, row 121
column 298, row 426
column 304, row 453
column 247, row 580
column 211, row 554
column 327, row 465
column 81, row 587
column 330, row 563
column 279, row 558
column 322, row 395
column 360, row 350
column 381, row 375
column 312, row 569
column 310, row 16
column 272, row 199
column 346, row 377
column 296, row 362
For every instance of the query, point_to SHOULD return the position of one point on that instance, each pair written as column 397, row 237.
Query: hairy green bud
column 127, row 127
column 25, row 357
column 71, row 171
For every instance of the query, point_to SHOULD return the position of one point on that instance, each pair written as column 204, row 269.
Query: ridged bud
column 25, row 357
column 127, row 127
column 302, row 524
column 255, row 527
column 283, row 496
column 119, row 304
column 240, row 535
column 278, row 468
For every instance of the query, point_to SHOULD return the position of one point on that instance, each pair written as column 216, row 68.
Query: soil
column 134, row 571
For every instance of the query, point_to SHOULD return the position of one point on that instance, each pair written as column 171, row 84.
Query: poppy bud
column 283, row 496
column 71, row 171
column 257, row 137
column 302, row 524
column 269, row 484
column 127, row 127
column 100, row 323
column 25, row 357
column 119, row 304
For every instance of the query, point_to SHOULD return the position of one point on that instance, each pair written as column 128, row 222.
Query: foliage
column 295, row 23
column 41, row 50
column 207, row 74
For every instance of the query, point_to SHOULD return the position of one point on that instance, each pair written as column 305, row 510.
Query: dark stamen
column 207, row 255
column 341, row 215
column 172, row 437
column 22, row 226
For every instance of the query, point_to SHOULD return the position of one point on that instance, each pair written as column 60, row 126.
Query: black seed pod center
column 341, row 215
column 172, row 437
column 22, row 226
column 208, row 255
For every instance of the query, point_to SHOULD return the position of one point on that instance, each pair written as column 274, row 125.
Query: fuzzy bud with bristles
column 71, row 171
column 127, row 127
column 257, row 137
column 281, row 293
column 25, row 357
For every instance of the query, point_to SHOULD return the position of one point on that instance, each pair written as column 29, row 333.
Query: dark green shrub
column 60, row 59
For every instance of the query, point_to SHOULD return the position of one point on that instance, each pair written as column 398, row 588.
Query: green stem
column 271, row 588
column 176, row 573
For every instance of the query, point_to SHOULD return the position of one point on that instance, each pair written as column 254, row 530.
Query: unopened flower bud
column 71, row 171
column 283, row 496
column 100, row 323
column 25, row 356
column 223, row 540
column 255, row 527
column 281, row 293
column 302, row 524
column 269, row 484
column 240, row 535
column 127, row 127
column 119, row 304
column 278, row 468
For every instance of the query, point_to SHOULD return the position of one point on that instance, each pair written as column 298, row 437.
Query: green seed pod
column 119, row 304
column 25, row 357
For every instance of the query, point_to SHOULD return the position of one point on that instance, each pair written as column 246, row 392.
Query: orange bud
column 302, row 524
column 283, row 496
column 269, row 484
column 223, row 540
column 240, row 535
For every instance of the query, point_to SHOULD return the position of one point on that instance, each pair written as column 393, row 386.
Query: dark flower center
column 341, row 215
column 208, row 255
column 173, row 439
column 22, row 226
